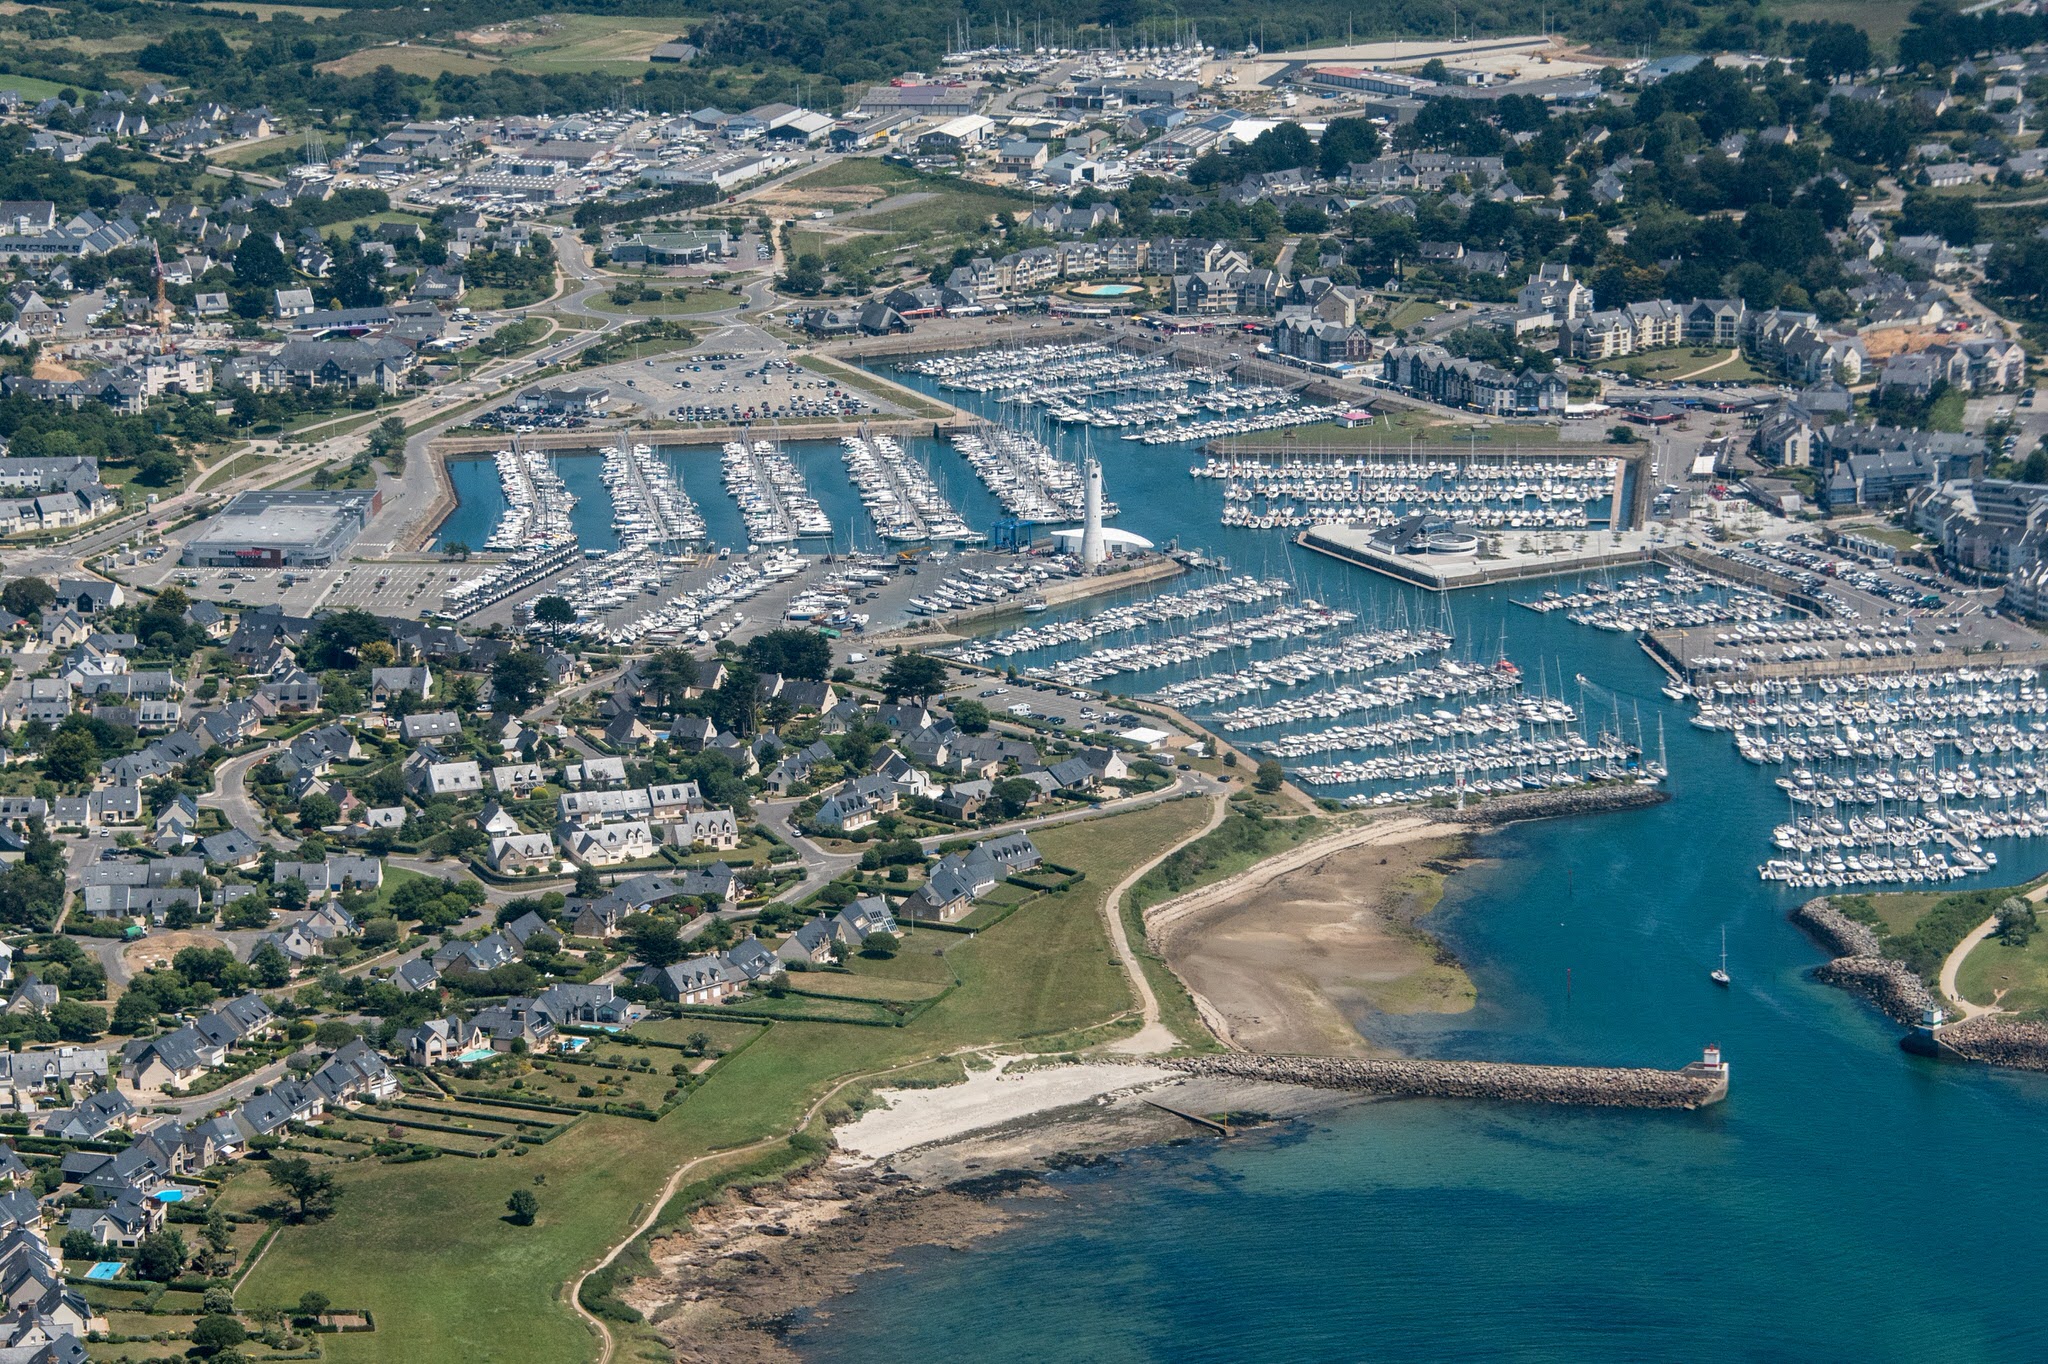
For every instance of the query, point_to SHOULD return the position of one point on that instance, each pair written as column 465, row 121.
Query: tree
column 1837, row 50
column 216, row 1334
column 2016, row 922
column 333, row 1034
column 71, row 757
column 520, row 677
column 554, row 612
column 913, row 675
column 589, row 884
column 219, row 1298
column 312, row 1189
column 317, row 811
column 879, row 944
column 358, row 279
column 259, row 264
column 523, row 1207
column 971, row 716
column 27, row 596
column 1435, row 70
column 790, row 652
column 1013, row 795
column 212, row 1334
column 160, row 1256
column 77, row 1022
column 314, row 1303
column 79, row 1245
column 1271, row 776
column 271, row 967
column 159, row 468
column 1345, row 141
column 655, row 941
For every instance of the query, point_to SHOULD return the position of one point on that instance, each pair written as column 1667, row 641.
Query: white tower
column 1091, row 519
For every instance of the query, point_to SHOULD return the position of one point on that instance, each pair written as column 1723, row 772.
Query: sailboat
column 1720, row 977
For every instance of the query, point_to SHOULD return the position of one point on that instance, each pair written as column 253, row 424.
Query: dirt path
column 608, row 1345
column 1949, row 990
column 1154, row 1037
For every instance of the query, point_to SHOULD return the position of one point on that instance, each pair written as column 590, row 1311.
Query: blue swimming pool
column 479, row 1054
column 105, row 1270
column 170, row 1195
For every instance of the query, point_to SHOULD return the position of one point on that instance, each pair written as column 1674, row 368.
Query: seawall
column 1583, row 800
column 1501, row 1081
column 1859, row 966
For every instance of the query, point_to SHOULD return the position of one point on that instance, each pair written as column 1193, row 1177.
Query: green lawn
column 593, row 42
column 424, row 1245
column 2015, row 977
column 29, row 87
column 855, row 171
column 668, row 305
column 1689, row 362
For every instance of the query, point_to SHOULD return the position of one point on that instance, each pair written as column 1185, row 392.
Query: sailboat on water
column 1720, row 977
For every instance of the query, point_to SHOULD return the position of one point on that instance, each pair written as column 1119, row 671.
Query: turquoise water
column 1847, row 1202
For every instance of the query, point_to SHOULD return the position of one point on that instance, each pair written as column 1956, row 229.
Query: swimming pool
column 170, row 1195
column 105, row 1270
column 575, row 1044
column 477, row 1054
column 1105, row 290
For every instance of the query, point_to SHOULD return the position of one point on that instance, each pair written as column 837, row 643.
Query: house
column 597, row 1005
column 515, row 1026
column 457, row 959
column 173, row 1059
column 448, row 779
column 595, row 773
column 516, row 854
column 700, row 980
column 388, row 682
column 232, row 848
column 430, row 726
column 354, row 1074
column 957, row 879
column 439, row 1041
column 91, row 1118
column 517, row 779
column 416, row 975
column 125, row 1222
column 605, row 845
column 706, row 829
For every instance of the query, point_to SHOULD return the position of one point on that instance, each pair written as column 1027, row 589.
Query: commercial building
column 265, row 529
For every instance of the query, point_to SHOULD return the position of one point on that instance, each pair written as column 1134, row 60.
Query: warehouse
column 261, row 529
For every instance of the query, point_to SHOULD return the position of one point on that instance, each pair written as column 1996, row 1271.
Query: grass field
column 1411, row 312
column 412, row 60
column 700, row 301
column 1692, row 362
column 2015, row 977
column 308, row 12
column 1883, row 20
column 593, row 42
column 945, row 213
column 28, row 87
column 855, row 171
column 425, row 1247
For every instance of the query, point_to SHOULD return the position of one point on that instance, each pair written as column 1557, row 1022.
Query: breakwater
column 1581, row 800
column 1997, row 1041
column 1502, row 1081
column 1859, row 966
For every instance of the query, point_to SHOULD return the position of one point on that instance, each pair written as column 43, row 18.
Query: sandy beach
column 1283, row 956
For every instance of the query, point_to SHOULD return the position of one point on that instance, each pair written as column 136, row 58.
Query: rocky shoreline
column 1578, row 800
column 1861, row 968
column 1504, row 1082
column 1995, row 1041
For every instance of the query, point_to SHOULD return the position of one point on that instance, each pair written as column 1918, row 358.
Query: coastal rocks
column 1884, row 982
column 1592, row 1086
column 1836, row 931
column 1582, row 800
column 1997, row 1042
column 1860, row 966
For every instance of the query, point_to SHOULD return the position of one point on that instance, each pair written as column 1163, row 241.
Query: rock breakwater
column 1997, row 1042
column 1505, row 1082
column 1579, row 800
column 1860, row 966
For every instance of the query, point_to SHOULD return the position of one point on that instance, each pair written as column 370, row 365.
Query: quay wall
column 1584, row 800
column 1504, row 1082
column 1413, row 569
column 604, row 438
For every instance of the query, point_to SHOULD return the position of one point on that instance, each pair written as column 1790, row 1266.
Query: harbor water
column 1847, row 1202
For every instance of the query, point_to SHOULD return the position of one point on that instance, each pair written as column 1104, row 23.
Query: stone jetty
column 1505, row 1082
column 1575, row 800
column 1860, row 966
column 1996, row 1041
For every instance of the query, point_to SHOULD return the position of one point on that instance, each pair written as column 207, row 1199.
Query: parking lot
column 384, row 589
column 727, row 386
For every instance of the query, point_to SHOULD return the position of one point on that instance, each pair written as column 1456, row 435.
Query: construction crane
column 163, row 305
